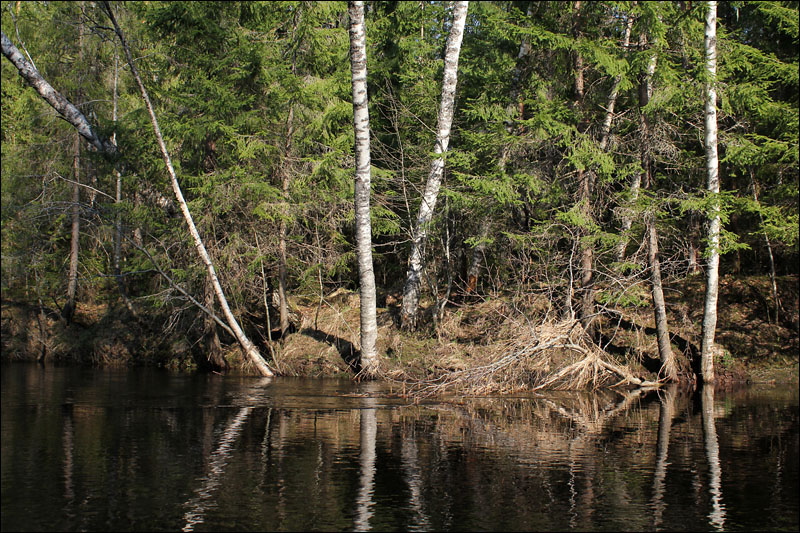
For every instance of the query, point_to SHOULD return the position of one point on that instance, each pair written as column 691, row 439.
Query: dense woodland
column 570, row 158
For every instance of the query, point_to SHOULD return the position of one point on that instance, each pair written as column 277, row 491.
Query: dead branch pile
column 550, row 356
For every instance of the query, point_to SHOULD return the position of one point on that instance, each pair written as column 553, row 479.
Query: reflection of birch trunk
column 366, row 482
column 717, row 515
column 413, row 473
column 666, row 411
column 216, row 467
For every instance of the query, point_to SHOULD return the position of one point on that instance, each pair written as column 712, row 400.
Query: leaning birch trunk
column 668, row 371
column 712, row 162
column 366, row 274
column 446, row 108
column 64, row 107
column 247, row 346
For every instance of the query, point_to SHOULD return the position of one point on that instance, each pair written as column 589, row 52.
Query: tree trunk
column 358, row 62
column 118, row 200
column 250, row 350
column 67, row 110
column 712, row 271
column 585, row 190
column 668, row 368
column 72, row 286
column 477, row 256
column 445, row 120
column 283, row 301
column 605, row 130
column 645, row 92
column 775, row 299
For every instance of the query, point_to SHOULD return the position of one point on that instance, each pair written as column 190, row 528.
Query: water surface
column 142, row 449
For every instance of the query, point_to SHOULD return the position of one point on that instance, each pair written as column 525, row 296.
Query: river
column 148, row 450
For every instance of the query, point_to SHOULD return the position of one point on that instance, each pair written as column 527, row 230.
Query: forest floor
column 493, row 342
column 499, row 344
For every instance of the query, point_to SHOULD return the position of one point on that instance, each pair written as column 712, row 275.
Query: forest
column 492, row 195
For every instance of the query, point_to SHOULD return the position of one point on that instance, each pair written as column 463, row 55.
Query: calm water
column 88, row 449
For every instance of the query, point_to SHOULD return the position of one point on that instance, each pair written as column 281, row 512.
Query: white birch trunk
column 445, row 120
column 669, row 372
column 712, row 163
column 358, row 63
column 248, row 347
column 63, row 106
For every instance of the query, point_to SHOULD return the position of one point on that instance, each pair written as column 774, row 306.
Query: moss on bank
column 474, row 339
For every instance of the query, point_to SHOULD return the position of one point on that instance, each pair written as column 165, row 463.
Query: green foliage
column 254, row 101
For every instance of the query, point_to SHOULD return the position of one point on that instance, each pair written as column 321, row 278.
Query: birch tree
column 669, row 370
column 249, row 348
column 446, row 108
column 358, row 62
column 712, row 167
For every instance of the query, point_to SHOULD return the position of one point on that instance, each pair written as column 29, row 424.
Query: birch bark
column 64, row 107
column 358, row 63
column 712, row 166
column 249, row 348
column 445, row 120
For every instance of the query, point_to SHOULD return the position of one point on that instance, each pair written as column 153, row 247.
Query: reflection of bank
column 717, row 515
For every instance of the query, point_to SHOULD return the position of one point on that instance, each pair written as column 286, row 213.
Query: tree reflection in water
column 369, row 432
column 665, row 414
column 717, row 514
column 149, row 451
column 205, row 493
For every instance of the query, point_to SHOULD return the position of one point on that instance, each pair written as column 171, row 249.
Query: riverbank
column 501, row 344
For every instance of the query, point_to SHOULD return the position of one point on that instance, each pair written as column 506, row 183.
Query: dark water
column 96, row 450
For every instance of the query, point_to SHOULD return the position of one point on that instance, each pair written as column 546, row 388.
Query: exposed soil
column 470, row 338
